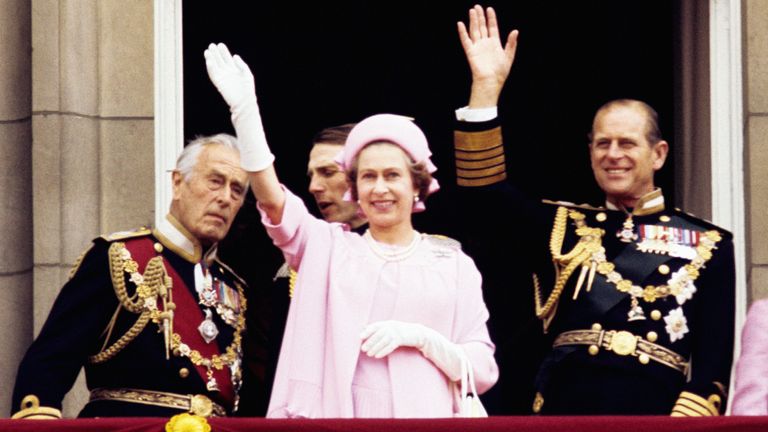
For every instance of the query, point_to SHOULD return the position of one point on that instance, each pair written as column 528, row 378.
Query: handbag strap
column 467, row 378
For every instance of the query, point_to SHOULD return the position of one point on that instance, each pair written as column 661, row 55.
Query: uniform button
column 158, row 247
column 593, row 350
column 597, row 327
column 664, row 269
column 183, row 372
column 652, row 336
column 538, row 403
column 644, row 358
column 601, row 217
column 665, row 218
column 655, row 315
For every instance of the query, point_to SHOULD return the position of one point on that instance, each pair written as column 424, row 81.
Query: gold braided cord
column 124, row 340
column 565, row 264
column 590, row 243
column 153, row 277
column 154, row 281
column 76, row 265
column 292, row 276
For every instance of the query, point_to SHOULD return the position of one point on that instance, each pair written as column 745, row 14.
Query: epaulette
column 443, row 241
column 124, row 235
column 573, row 205
column 705, row 224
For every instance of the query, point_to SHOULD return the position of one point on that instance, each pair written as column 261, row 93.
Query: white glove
column 383, row 337
column 234, row 80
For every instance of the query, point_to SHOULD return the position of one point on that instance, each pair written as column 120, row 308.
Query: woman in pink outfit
column 379, row 324
column 751, row 381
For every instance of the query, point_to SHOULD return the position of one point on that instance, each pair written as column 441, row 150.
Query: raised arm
column 234, row 80
column 489, row 61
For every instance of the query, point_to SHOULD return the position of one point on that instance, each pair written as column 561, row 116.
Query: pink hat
column 399, row 130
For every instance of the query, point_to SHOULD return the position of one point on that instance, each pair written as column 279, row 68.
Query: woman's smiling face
column 384, row 185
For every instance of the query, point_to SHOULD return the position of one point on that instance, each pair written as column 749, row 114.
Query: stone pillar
column 93, row 129
column 756, row 145
column 15, row 191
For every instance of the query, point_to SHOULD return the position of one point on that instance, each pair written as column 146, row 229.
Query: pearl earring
column 415, row 198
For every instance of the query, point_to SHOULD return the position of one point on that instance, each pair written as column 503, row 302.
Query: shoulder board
column 443, row 241
column 231, row 272
column 124, row 235
column 573, row 205
column 703, row 223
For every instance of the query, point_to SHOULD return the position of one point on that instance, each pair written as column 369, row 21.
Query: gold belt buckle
column 201, row 405
column 623, row 343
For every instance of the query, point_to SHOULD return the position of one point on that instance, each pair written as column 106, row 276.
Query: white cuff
column 476, row 115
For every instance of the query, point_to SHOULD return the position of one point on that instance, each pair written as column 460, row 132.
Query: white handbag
column 468, row 402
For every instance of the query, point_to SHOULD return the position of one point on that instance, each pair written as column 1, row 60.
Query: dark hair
column 652, row 131
column 419, row 173
column 333, row 135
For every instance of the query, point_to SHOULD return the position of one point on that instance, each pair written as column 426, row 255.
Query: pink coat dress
column 751, row 382
column 339, row 277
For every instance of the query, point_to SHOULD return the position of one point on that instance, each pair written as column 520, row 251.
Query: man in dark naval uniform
column 154, row 316
column 636, row 299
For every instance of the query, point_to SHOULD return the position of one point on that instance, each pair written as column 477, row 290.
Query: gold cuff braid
column 477, row 141
column 692, row 405
column 479, row 158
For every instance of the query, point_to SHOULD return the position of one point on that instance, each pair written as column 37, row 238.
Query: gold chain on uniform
column 231, row 354
column 153, row 283
column 590, row 247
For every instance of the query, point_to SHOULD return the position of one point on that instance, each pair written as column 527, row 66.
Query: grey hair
column 652, row 131
column 188, row 157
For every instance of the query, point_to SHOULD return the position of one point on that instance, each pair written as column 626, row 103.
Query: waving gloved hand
column 234, row 81
column 383, row 337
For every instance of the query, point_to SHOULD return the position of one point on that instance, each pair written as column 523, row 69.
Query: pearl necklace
column 390, row 252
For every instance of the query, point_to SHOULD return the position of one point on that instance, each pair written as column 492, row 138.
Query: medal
column 672, row 241
column 207, row 328
column 212, row 384
column 228, row 302
column 204, row 286
column 636, row 311
column 627, row 232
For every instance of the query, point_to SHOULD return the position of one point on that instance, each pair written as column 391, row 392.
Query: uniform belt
column 196, row 404
column 623, row 343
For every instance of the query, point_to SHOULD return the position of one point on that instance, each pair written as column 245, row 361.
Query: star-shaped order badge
column 682, row 286
column 677, row 324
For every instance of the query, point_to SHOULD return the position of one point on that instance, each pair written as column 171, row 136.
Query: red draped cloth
column 492, row 424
